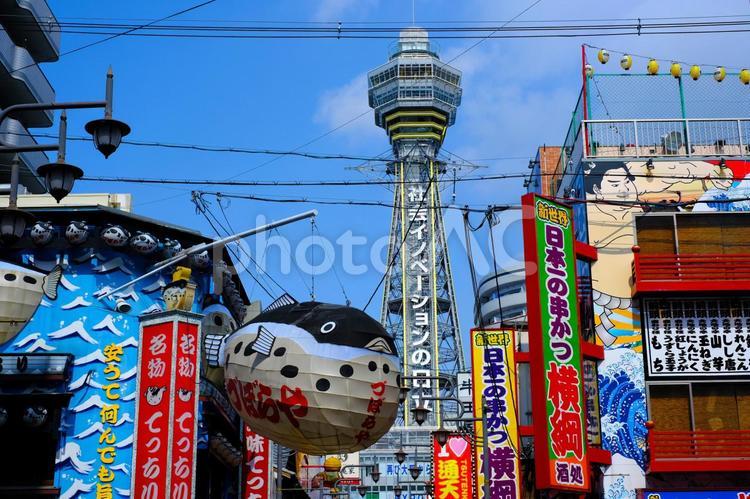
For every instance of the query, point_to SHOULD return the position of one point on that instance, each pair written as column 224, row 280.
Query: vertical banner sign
column 558, row 402
column 151, row 438
column 452, row 468
column 257, row 466
column 494, row 369
column 166, row 407
column 185, row 411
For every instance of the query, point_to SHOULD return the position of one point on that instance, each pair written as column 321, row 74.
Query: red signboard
column 151, row 438
column 185, row 410
column 452, row 468
column 166, row 407
column 257, row 466
column 558, row 403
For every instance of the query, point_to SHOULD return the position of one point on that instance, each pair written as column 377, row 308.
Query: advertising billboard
column 453, row 468
column 558, row 402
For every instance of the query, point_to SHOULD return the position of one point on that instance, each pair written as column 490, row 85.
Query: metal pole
column 204, row 246
column 108, row 93
column 63, row 135
column 485, row 451
column 13, row 197
column 279, row 492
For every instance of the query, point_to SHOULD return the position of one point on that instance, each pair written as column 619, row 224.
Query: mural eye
column 379, row 345
column 327, row 327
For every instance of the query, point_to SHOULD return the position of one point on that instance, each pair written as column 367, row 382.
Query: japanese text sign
column 494, row 371
column 257, row 465
column 108, row 417
column 453, row 469
column 558, row 402
column 166, row 407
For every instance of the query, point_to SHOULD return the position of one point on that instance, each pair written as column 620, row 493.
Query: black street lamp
column 414, row 471
column 375, row 474
column 13, row 223
column 400, row 456
column 420, row 413
column 60, row 176
column 441, row 435
column 362, row 489
column 397, row 490
column 107, row 132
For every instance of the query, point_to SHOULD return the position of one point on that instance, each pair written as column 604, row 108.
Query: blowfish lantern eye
column 379, row 345
column 327, row 327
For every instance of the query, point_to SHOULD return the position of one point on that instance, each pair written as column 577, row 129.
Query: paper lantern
column 589, row 70
column 314, row 377
column 603, row 56
column 695, row 72
column 675, row 69
column 652, row 67
column 720, row 73
column 745, row 76
column 626, row 62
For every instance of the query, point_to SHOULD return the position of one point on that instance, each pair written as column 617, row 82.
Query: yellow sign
column 493, row 365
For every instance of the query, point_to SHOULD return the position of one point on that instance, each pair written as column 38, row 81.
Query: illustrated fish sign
column 554, row 345
column 314, row 377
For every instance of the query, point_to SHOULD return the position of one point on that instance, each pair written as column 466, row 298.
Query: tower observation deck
column 415, row 97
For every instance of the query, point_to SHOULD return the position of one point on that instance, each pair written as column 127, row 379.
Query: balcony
column 695, row 451
column 679, row 138
column 12, row 132
column 690, row 272
column 31, row 24
column 23, row 82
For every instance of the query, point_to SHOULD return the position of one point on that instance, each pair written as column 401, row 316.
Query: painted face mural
column 611, row 229
column 315, row 377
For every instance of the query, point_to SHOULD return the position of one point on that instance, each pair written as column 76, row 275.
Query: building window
column 700, row 406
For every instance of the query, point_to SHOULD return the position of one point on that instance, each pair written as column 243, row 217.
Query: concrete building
column 29, row 36
column 502, row 298
column 657, row 187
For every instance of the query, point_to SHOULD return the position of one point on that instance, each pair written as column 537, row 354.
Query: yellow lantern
column 652, row 67
column 675, row 70
column 745, row 76
column 332, row 464
column 589, row 70
column 626, row 62
column 603, row 56
column 695, row 72
column 720, row 73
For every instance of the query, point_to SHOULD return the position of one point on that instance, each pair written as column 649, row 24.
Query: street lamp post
column 59, row 177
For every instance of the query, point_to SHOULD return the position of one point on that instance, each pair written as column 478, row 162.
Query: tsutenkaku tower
column 415, row 97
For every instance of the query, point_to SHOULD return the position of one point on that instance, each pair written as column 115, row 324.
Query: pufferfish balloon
column 315, row 377
column 42, row 233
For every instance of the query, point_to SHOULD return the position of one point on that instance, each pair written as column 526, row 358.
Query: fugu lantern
column 626, row 62
column 314, row 377
column 695, row 72
column 652, row 67
column 745, row 76
column 675, row 70
column 720, row 73
column 603, row 56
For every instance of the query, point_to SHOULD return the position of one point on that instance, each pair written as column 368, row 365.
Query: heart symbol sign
column 458, row 445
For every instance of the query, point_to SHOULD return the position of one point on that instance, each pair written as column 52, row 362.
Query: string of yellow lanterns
column 675, row 69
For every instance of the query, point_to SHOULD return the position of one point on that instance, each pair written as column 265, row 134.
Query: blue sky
column 280, row 94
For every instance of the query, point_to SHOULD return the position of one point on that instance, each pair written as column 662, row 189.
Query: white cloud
column 344, row 103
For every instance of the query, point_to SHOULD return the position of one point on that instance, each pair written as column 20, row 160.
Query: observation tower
column 415, row 97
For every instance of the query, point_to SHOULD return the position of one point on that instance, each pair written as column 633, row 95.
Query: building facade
column 659, row 188
column 29, row 36
column 502, row 298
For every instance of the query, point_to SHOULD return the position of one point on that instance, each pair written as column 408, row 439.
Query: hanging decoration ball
column 115, row 236
column 307, row 375
column 626, row 62
column 200, row 261
column 588, row 70
column 745, row 76
column 675, row 69
column 652, row 67
column 171, row 247
column 695, row 72
column 720, row 73
column 41, row 233
column 603, row 56
column 144, row 243
column 77, row 232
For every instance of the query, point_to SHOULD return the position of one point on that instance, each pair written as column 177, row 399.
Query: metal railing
column 719, row 450
column 667, row 137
